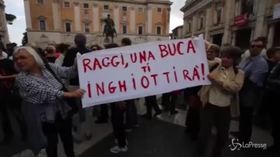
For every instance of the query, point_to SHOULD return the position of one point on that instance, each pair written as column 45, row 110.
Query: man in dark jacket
column 70, row 56
column 262, row 118
column 8, row 100
column 273, row 88
column 131, row 111
column 273, row 57
column 80, row 41
column 6, row 68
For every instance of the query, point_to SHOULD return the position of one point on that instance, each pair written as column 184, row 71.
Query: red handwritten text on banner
column 142, row 70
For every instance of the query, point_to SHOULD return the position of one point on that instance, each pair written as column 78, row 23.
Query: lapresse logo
column 237, row 146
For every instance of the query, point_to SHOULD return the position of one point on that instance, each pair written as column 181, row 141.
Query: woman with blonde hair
column 42, row 91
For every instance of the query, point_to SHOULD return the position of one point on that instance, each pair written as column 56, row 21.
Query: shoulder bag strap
column 47, row 65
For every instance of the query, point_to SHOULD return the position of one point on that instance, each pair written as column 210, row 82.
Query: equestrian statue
column 109, row 29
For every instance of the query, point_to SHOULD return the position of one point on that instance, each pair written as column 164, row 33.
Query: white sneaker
column 25, row 153
column 42, row 153
column 117, row 149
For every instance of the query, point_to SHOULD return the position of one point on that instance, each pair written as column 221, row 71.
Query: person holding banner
column 69, row 60
column 41, row 88
column 217, row 99
column 131, row 112
column 193, row 115
column 103, row 109
column 118, row 110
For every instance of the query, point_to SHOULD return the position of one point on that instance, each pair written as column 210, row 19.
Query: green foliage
column 10, row 18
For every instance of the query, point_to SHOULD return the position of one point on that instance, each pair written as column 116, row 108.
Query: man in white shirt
column 247, row 54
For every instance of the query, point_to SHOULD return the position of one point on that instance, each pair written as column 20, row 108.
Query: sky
column 18, row 27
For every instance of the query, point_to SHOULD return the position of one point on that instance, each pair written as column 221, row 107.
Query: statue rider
column 109, row 28
column 110, row 21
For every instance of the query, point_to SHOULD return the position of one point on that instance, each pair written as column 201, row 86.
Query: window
column 159, row 10
column 219, row 16
column 158, row 30
column 42, row 24
column 40, row 1
column 106, row 7
column 87, row 28
column 66, row 4
column 124, row 29
column 124, row 8
column 201, row 23
column 140, row 30
column 140, row 9
column 189, row 27
column 67, row 27
column 86, row 6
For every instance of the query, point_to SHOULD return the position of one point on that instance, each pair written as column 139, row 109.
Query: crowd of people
column 41, row 88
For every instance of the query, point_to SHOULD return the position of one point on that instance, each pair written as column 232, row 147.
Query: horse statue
column 109, row 30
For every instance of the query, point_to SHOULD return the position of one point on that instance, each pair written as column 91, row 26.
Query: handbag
column 70, row 101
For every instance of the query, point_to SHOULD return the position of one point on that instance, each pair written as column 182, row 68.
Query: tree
column 24, row 39
column 10, row 18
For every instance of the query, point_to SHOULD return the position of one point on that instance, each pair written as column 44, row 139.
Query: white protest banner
column 142, row 70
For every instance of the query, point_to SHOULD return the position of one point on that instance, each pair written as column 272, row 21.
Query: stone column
column 150, row 20
column 96, row 20
column 132, row 16
column 260, row 15
column 77, row 17
column 207, row 23
column 228, row 16
column 168, row 21
column 116, row 18
column 185, row 27
column 27, row 14
column 56, row 16
column 270, row 36
column 194, row 25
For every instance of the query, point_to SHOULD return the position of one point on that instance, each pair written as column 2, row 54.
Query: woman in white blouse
column 218, row 98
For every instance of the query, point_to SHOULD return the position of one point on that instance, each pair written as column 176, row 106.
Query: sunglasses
column 256, row 46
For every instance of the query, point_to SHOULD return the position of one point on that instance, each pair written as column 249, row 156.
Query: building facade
column 234, row 22
column 4, row 37
column 177, row 33
column 57, row 21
